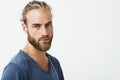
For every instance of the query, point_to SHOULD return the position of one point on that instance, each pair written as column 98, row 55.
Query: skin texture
column 39, row 30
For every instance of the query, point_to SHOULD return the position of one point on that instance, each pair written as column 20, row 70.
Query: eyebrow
column 41, row 24
column 48, row 23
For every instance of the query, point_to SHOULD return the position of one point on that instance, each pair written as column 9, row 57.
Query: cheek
column 50, row 30
column 50, row 33
column 31, row 34
column 31, row 31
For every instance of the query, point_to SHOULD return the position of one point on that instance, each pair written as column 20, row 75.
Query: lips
column 44, row 39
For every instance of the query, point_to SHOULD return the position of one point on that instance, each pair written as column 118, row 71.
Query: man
column 32, row 62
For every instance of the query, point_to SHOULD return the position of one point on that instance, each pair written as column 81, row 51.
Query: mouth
column 44, row 40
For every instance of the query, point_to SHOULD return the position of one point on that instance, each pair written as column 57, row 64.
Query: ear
column 24, row 26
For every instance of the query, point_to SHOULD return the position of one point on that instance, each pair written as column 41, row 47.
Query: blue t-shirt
column 23, row 67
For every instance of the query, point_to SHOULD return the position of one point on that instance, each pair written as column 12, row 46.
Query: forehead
column 39, row 15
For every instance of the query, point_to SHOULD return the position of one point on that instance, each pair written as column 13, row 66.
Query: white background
column 86, row 36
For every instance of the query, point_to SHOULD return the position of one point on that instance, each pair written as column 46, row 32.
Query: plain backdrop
column 86, row 36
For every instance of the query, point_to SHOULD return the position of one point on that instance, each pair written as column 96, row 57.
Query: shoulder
column 19, row 59
column 18, row 66
column 12, row 72
column 53, row 59
column 57, row 66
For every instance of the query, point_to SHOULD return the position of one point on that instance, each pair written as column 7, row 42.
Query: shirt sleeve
column 12, row 72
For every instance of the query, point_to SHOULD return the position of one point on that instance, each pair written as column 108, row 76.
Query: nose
column 44, row 31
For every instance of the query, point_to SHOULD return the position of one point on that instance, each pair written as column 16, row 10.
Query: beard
column 44, row 46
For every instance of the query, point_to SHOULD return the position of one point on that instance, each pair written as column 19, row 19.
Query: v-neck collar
column 34, row 62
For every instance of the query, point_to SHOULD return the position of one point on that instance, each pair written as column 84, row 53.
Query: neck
column 33, row 52
column 38, row 56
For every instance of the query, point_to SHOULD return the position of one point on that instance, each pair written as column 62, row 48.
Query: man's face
column 39, row 29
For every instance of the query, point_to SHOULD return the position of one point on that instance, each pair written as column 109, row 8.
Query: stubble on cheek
column 40, row 44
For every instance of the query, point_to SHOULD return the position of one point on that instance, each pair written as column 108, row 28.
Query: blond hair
column 34, row 5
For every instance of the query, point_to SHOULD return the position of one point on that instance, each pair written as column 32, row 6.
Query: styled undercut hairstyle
column 34, row 5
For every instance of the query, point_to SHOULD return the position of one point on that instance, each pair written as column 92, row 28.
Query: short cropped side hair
column 34, row 5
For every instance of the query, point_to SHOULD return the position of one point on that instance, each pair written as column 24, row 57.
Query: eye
column 48, row 25
column 37, row 26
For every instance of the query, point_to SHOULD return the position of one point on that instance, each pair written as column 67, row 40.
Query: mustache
column 44, row 37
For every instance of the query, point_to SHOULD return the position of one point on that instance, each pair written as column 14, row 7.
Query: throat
column 44, row 66
column 42, row 62
column 40, row 58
